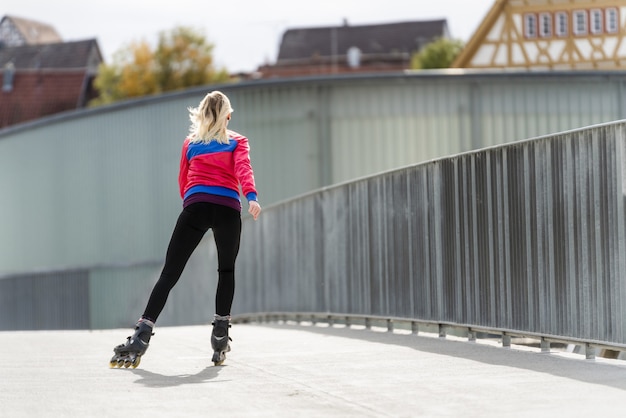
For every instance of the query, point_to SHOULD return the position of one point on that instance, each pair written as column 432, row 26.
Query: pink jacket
column 216, row 168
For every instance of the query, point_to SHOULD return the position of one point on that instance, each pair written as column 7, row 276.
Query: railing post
column 471, row 335
column 506, row 340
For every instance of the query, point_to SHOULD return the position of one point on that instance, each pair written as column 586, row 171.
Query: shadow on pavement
column 155, row 380
column 589, row 371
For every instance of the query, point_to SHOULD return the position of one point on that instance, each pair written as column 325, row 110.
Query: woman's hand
column 254, row 209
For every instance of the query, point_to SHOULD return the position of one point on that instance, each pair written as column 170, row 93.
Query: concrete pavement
column 299, row 371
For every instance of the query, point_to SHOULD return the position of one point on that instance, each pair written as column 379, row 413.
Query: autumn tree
column 182, row 58
column 440, row 53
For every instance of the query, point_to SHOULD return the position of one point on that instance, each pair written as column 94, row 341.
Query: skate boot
column 129, row 353
column 220, row 339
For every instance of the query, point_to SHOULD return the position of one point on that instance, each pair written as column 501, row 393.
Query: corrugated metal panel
column 118, row 295
column 45, row 301
column 70, row 185
column 530, row 108
column 379, row 126
column 527, row 237
column 282, row 124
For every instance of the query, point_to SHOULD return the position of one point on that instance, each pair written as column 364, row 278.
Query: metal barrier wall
column 526, row 238
column 523, row 238
column 95, row 192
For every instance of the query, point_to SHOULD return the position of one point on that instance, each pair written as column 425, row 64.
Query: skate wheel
column 218, row 358
column 127, row 362
column 135, row 363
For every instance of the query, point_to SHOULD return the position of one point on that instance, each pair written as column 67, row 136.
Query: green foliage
column 183, row 58
column 440, row 53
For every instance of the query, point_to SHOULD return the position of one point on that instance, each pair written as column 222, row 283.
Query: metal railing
column 522, row 239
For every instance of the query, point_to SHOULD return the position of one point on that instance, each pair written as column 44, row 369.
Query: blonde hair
column 210, row 118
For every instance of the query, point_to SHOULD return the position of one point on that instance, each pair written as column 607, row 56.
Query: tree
column 440, row 53
column 183, row 58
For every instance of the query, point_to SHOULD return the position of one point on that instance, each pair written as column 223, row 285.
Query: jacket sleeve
column 184, row 169
column 243, row 169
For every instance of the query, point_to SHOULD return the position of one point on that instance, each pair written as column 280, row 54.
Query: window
column 530, row 25
column 612, row 25
column 583, row 22
column 7, row 77
column 580, row 22
column 596, row 21
column 545, row 25
column 560, row 25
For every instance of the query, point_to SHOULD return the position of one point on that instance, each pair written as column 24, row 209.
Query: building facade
column 41, row 75
column 549, row 35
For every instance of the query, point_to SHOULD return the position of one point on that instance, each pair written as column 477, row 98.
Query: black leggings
column 194, row 221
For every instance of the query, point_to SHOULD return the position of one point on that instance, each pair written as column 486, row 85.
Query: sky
column 245, row 33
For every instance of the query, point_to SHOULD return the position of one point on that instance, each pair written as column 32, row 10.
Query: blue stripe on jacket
column 200, row 148
column 216, row 190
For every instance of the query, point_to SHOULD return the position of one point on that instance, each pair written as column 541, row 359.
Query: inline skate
column 220, row 339
column 129, row 353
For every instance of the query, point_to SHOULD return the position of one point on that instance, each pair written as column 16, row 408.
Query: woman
column 215, row 162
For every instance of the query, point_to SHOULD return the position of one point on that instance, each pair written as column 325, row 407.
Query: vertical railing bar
column 618, row 289
column 409, row 226
column 493, row 317
column 528, row 233
column 543, row 321
column 551, row 270
column 474, row 288
column 439, row 253
column 570, row 260
column 583, row 279
column 507, row 240
column 457, row 245
column 597, row 316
